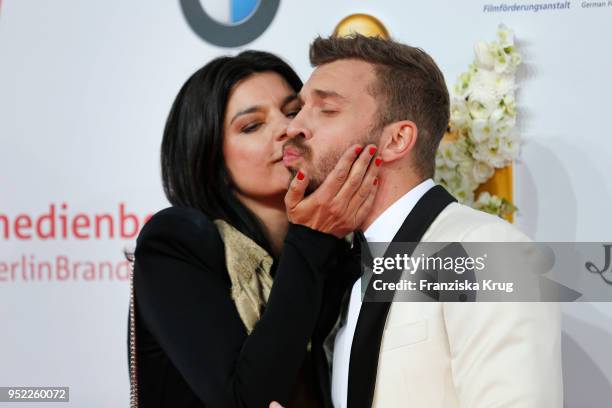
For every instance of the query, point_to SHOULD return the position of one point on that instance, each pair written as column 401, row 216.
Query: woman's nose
column 280, row 130
column 281, row 136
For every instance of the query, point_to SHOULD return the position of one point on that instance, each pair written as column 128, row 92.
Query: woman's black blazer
column 192, row 347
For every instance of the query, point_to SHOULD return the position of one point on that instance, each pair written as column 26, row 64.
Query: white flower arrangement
column 483, row 117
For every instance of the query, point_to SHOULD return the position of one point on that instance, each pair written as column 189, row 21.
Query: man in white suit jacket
column 438, row 354
column 430, row 354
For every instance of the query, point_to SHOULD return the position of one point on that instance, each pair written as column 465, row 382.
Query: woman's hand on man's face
column 343, row 201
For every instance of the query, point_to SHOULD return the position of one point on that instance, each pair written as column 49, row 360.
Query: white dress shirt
column 383, row 229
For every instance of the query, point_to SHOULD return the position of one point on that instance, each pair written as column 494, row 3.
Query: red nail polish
column 372, row 151
column 300, row 175
column 376, row 181
column 358, row 150
column 378, row 161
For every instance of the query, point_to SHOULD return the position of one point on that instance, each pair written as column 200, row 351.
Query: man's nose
column 297, row 127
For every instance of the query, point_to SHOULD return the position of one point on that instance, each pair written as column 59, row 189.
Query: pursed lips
column 290, row 155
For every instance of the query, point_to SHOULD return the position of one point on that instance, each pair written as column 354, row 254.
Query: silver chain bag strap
column 132, row 341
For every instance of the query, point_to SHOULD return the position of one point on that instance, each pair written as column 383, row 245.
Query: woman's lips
column 290, row 156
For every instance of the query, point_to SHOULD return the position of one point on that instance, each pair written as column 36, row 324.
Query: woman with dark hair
column 227, row 291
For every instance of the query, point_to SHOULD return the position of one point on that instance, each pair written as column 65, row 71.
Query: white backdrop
column 85, row 87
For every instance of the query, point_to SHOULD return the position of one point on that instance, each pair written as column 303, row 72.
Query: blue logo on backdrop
column 229, row 23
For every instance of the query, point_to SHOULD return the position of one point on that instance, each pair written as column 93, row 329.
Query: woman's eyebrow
column 252, row 109
column 258, row 108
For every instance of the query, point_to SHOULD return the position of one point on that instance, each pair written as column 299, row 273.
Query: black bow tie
column 361, row 250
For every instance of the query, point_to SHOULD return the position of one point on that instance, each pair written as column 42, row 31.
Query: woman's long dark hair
column 193, row 168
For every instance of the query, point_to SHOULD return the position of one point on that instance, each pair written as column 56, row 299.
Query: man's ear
column 398, row 140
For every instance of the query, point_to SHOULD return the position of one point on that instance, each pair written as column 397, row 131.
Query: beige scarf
column 248, row 266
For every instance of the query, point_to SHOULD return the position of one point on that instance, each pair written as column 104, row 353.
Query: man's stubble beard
column 320, row 170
